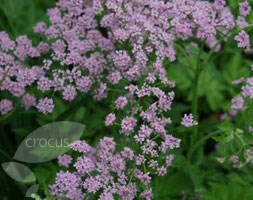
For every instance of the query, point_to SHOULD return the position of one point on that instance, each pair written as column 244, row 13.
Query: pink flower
column 238, row 103
column 45, row 105
column 244, row 8
column 28, row 101
column 188, row 121
column 127, row 125
column 121, row 102
column 64, row 160
column 69, row 93
column 84, row 165
column 5, row 106
column 110, row 118
column 243, row 39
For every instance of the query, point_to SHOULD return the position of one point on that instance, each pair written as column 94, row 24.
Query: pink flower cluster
column 241, row 101
column 104, row 173
column 243, row 38
column 15, row 76
column 94, row 45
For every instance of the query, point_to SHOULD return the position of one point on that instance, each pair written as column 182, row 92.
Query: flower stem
column 195, row 100
column 201, row 141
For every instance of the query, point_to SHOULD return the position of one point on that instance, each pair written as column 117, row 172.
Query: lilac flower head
column 107, row 144
column 44, row 84
column 40, row 27
column 162, row 171
column 66, row 185
column 219, row 4
column 5, row 42
column 170, row 142
column 5, row 106
column 83, row 84
column 81, row 147
column 238, row 103
column 247, row 91
column 242, row 22
column 128, row 192
column 244, row 8
column 92, row 184
column 121, row 59
column 121, row 102
column 128, row 153
column 188, row 121
column 243, row 39
column 28, row 101
column 45, row 105
column 64, row 160
column 127, row 125
column 84, row 165
column 114, row 77
column 145, row 178
column 106, row 196
column 147, row 195
column 69, row 93
column 110, row 118
column 169, row 160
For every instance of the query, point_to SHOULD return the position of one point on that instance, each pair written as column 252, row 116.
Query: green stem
column 241, row 140
column 195, row 100
column 116, row 90
column 182, row 50
column 200, row 142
